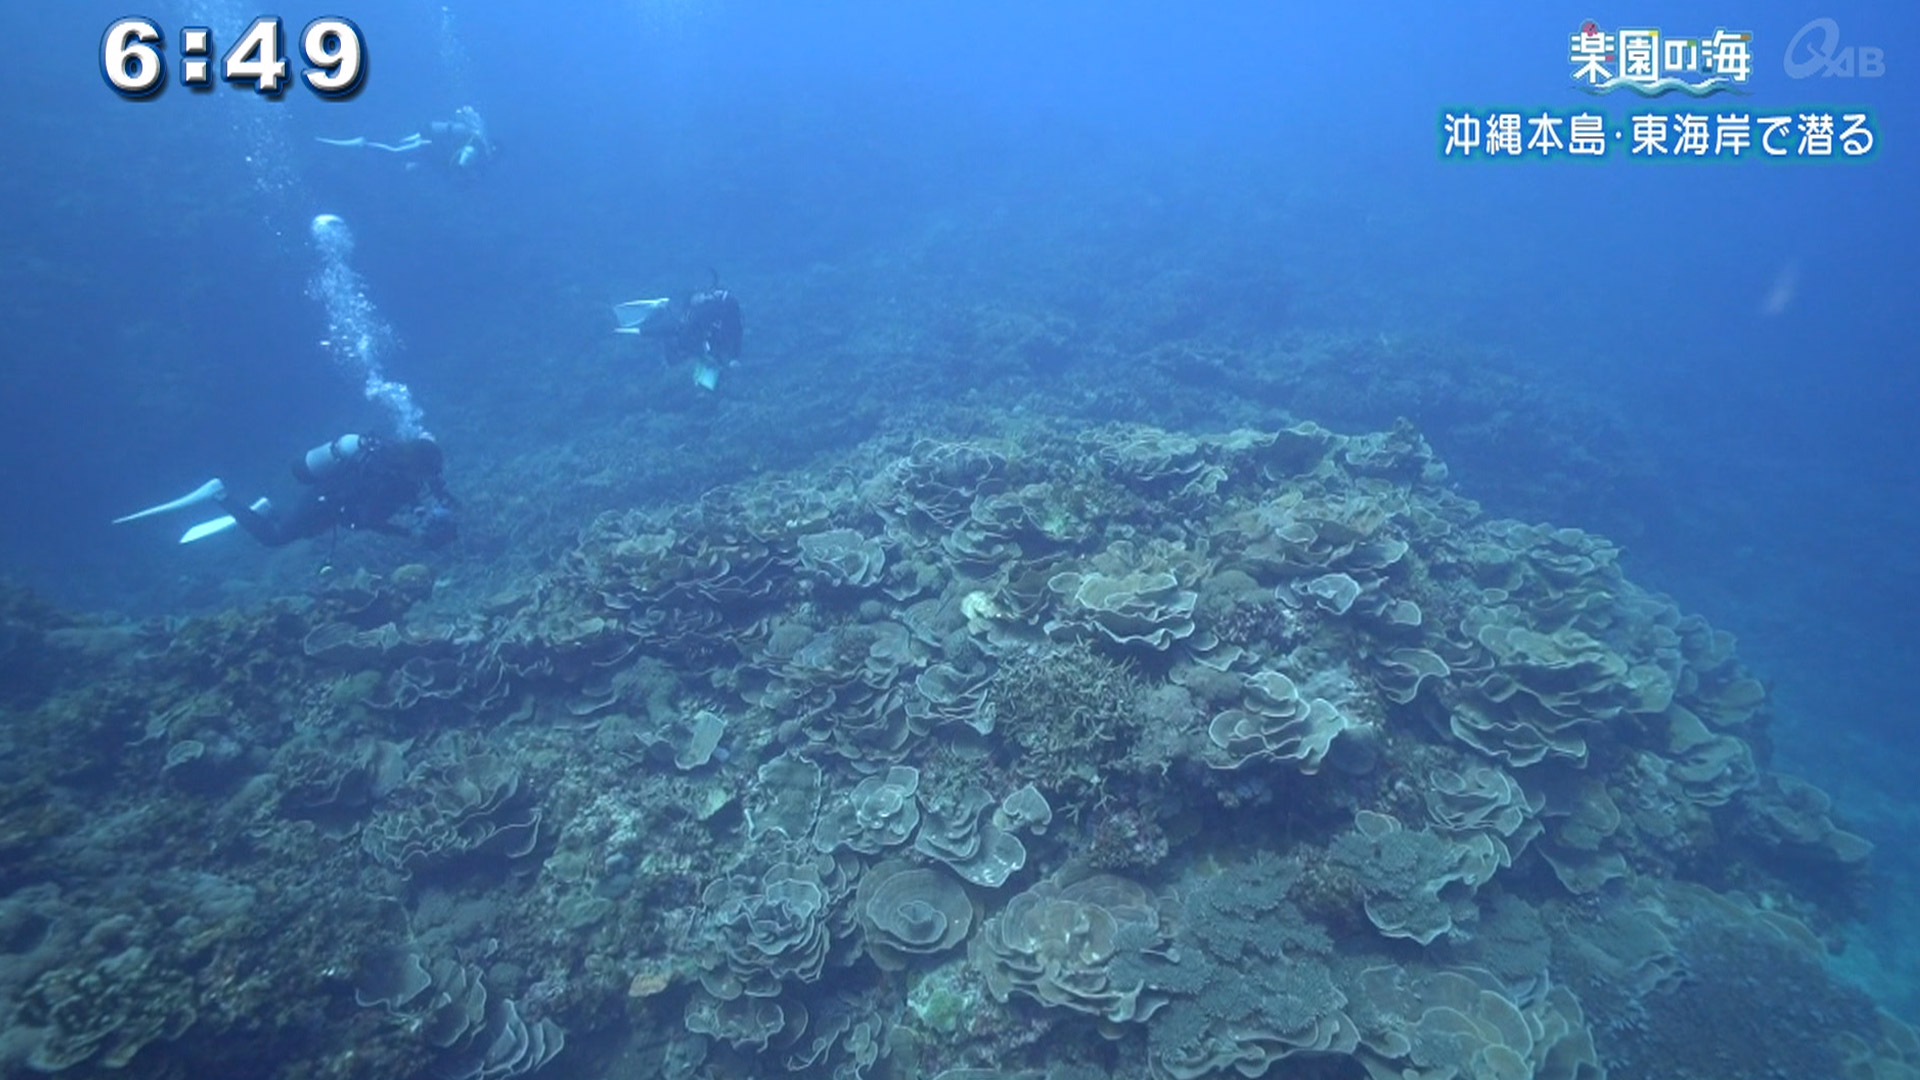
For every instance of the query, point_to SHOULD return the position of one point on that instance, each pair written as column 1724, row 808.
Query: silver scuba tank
column 323, row 460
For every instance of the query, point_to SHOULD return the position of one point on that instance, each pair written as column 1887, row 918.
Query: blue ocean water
column 939, row 213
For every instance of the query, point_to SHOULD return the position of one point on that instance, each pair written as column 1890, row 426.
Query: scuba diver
column 352, row 482
column 704, row 328
column 461, row 143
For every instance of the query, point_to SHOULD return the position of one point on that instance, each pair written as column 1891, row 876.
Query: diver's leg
column 259, row 524
column 311, row 516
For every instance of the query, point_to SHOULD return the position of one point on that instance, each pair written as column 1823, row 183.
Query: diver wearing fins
column 353, row 482
column 461, row 142
column 704, row 328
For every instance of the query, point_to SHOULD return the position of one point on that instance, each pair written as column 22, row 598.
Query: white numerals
column 127, row 56
column 338, row 55
column 133, row 57
column 256, row 58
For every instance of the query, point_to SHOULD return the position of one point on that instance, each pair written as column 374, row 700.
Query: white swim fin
column 208, row 528
column 206, row 492
column 404, row 146
column 220, row 524
column 634, row 313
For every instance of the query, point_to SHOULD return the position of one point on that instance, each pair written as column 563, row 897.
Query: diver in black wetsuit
column 705, row 324
column 463, row 139
column 358, row 482
column 461, row 143
column 704, row 328
column 352, row 482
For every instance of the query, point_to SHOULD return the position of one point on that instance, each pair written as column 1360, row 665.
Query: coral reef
column 1115, row 752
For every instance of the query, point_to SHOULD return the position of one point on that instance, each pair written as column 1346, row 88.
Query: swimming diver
column 352, row 482
column 704, row 328
column 461, row 142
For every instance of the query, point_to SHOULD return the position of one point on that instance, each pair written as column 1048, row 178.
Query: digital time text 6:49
column 335, row 51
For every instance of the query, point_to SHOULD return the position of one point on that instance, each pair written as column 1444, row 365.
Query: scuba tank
column 325, row 459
